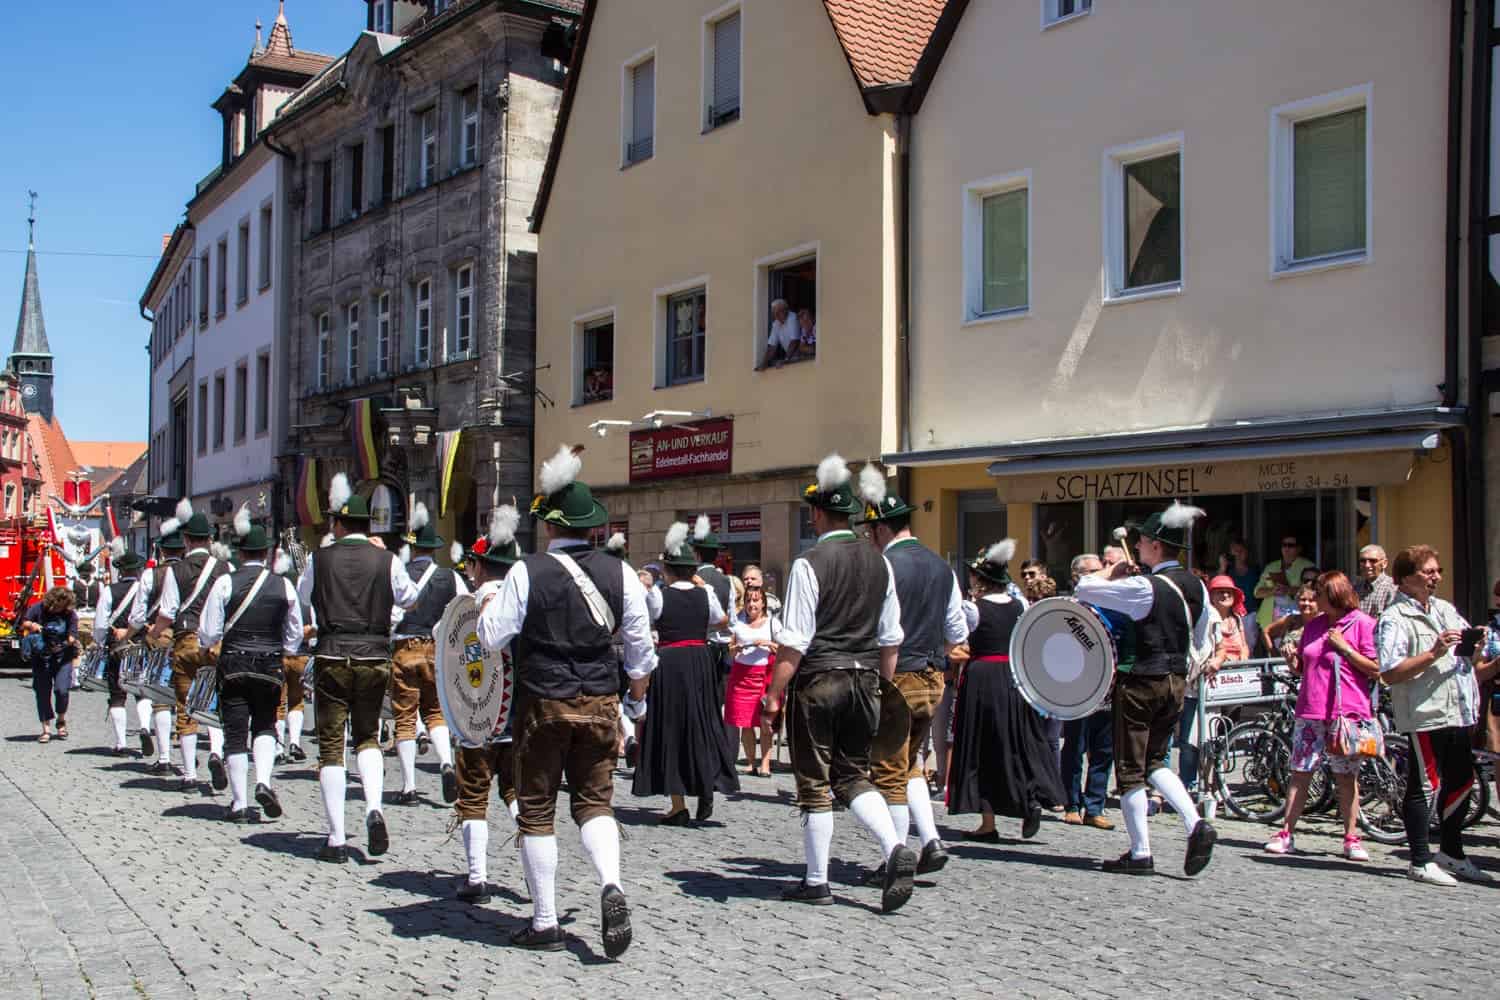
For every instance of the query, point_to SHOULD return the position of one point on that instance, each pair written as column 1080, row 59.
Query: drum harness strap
column 126, row 603
column 260, row 581
column 421, row 585
column 203, row 575
column 598, row 607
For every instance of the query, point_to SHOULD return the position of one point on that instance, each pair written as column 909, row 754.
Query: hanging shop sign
column 698, row 449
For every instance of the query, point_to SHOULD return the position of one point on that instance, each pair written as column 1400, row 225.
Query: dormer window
column 381, row 19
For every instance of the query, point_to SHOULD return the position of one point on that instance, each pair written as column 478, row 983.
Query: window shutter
column 1005, row 285
column 1328, row 185
column 726, row 97
column 643, row 109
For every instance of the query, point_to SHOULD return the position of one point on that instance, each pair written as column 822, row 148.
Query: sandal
column 62, row 731
column 46, row 737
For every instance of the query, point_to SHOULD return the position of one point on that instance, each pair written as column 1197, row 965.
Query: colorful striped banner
column 309, row 511
column 447, row 456
column 362, row 432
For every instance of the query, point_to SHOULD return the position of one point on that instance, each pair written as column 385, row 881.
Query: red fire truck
column 29, row 564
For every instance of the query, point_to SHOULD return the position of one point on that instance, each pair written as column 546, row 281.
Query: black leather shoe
column 423, row 745
column 992, row 837
column 1031, row 824
column 678, row 818
column 1127, row 865
column 188, row 785
column 1200, row 847
column 405, row 798
column 614, row 920
column 550, row 939
column 632, row 752
column 876, row 876
column 474, row 892
column 705, row 807
column 233, row 815
column 337, row 855
column 813, row 895
column 148, row 745
column 934, row 857
column 379, row 839
column 269, row 803
column 450, row 784
column 216, row 772
column 120, row 752
column 294, row 752
column 900, row 867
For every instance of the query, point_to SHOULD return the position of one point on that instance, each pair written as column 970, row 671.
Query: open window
column 789, row 322
column 596, row 351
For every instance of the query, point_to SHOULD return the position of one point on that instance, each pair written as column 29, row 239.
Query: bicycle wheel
column 1321, row 794
column 1382, row 788
column 1479, row 803
column 1253, row 770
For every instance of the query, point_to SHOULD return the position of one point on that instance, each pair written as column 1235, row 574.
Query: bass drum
column 1063, row 658
column 476, row 686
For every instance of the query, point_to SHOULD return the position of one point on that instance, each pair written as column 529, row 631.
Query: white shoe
column 1430, row 874
column 1462, row 867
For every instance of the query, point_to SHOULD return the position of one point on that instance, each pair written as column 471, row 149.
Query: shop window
column 598, row 352
column 686, row 335
column 791, row 320
column 1059, row 537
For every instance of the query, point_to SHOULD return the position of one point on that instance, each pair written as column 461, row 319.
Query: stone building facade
column 416, row 159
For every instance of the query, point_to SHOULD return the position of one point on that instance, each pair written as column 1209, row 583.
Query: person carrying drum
column 291, row 712
column 477, row 767
column 841, row 634
column 413, row 683
column 562, row 608
column 933, row 626
column 256, row 614
column 112, row 631
column 185, row 589
column 1174, row 628
column 155, row 716
column 352, row 585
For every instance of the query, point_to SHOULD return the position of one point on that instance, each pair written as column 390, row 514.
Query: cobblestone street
column 118, row 885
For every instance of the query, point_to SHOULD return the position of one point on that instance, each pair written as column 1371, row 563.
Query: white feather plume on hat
column 504, row 520
column 282, row 565
column 419, row 517
column 701, row 528
column 219, row 551
column 170, row 525
column 455, row 553
column 676, row 537
column 116, row 547
column 339, row 491
column 242, row 521
column 1180, row 515
column 560, row 470
column 184, row 511
column 871, row 485
column 1001, row 552
column 616, row 542
column 833, row 472
column 405, row 554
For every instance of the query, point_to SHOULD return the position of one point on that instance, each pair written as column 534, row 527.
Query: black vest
column 1163, row 638
column 259, row 628
column 560, row 651
column 852, row 578
column 186, row 572
column 441, row 588
column 924, row 583
column 991, row 637
column 86, row 595
column 119, row 616
column 684, row 615
column 352, row 598
column 721, row 586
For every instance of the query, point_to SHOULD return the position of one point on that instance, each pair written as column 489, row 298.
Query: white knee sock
column 421, row 726
column 919, row 802
column 901, row 820
column 371, row 776
column 870, row 809
column 476, row 842
column 406, row 753
column 143, row 714
column 162, row 721
column 626, row 726
column 442, row 745
column 817, row 841
column 264, row 749
column 280, row 730
column 539, row 860
column 1133, row 808
column 1165, row 780
column 332, row 781
column 189, row 745
column 239, row 772
column 601, row 841
column 216, row 741
column 294, row 728
column 117, row 720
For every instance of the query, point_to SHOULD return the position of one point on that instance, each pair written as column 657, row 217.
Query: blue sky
column 107, row 118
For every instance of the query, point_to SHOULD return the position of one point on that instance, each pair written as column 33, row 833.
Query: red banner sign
column 744, row 522
column 697, row 449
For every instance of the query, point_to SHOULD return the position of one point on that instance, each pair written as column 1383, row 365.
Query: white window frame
column 706, row 77
column 383, row 333
column 266, row 253
column 421, row 341
column 351, row 341
column 582, row 323
column 427, row 147
column 468, row 127
column 763, row 268
column 242, row 262
column 627, row 105
column 263, row 394
column 324, row 369
column 382, row 18
column 1051, row 18
column 1116, row 159
column 463, row 313
column 659, row 297
column 974, row 194
column 1284, row 119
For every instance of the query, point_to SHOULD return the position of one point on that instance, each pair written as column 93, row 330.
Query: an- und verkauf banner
column 695, row 449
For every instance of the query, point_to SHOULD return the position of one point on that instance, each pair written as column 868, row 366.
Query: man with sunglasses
column 1278, row 583
column 1374, row 587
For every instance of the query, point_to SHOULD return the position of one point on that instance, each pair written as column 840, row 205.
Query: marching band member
column 561, row 608
column 112, row 630
column 413, row 683
column 1174, row 628
column 841, row 633
column 685, row 749
column 184, row 591
column 144, row 613
column 706, row 548
column 290, row 713
column 346, row 584
column 256, row 614
column 933, row 626
column 476, row 767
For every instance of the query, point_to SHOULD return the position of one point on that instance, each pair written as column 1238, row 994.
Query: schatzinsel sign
column 696, row 449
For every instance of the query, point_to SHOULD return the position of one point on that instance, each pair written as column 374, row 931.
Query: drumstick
column 1121, row 536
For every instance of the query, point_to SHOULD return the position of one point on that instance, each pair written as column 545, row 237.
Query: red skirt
column 747, row 685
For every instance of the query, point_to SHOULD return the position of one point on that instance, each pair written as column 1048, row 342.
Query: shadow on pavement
column 93, row 752
column 992, row 852
column 164, row 783
column 1330, row 864
column 440, row 885
column 198, row 810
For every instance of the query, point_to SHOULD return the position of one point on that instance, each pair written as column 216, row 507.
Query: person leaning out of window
column 54, row 624
column 783, row 337
column 1428, row 659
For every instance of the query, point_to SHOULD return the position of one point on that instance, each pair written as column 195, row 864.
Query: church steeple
column 31, row 357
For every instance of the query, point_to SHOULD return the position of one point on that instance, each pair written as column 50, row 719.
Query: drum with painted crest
column 203, row 696
column 476, row 686
column 1063, row 657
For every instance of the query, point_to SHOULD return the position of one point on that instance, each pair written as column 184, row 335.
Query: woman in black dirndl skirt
column 684, row 748
column 1002, row 763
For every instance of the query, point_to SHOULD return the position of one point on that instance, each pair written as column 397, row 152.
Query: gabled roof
column 52, row 452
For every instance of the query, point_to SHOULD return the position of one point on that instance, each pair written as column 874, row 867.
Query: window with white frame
column 640, row 110
column 597, row 353
column 265, row 247
column 262, row 394
column 463, row 311
column 1055, row 11
column 721, row 84
column 203, row 270
column 422, row 336
column 241, row 401
column 242, row 264
column 997, row 247
column 1320, row 183
column 383, row 334
column 426, row 128
column 1143, row 218
column 325, row 351
column 686, row 336
column 351, row 342
column 468, row 127
column 222, row 286
column 790, row 310
column 381, row 21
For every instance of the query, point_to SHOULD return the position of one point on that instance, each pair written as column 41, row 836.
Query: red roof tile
column 52, row 451
column 884, row 39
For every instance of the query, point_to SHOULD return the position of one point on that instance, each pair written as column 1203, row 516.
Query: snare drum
column 156, row 682
column 92, row 671
column 203, row 696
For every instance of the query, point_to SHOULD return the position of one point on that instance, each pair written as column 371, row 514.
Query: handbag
column 1348, row 736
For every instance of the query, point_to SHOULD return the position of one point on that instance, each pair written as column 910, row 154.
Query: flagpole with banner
column 447, row 455
column 362, row 433
column 309, row 511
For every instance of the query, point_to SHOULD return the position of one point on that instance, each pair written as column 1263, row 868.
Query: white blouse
column 745, row 634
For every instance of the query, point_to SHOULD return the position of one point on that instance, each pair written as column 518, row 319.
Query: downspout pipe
column 903, row 295
column 1471, row 587
column 1455, row 233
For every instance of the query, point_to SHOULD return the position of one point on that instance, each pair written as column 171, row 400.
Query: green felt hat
column 254, row 540
column 356, row 508
column 426, row 537
column 703, row 539
column 172, row 540
column 889, row 509
column 833, row 490
column 992, row 562
column 130, row 562
column 1171, row 526
column 573, row 506
column 197, row 526
column 506, row 555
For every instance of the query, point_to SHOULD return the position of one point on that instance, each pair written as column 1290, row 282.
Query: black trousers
column 247, row 707
column 833, row 717
column 1440, row 762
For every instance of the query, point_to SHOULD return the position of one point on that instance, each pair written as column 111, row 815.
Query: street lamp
column 656, row 418
column 601, row 427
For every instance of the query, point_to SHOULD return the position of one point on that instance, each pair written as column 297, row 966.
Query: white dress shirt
column 1134, row 596
column 653, row 601
column 955, row 626
column 715, row 609
column 171, row 600
column 799, row 609
column 785, row 333
column 403, row 591
column 502, row 618
column 139, row 608
column 105, row 609
column 211, row 623
column 398, row 614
